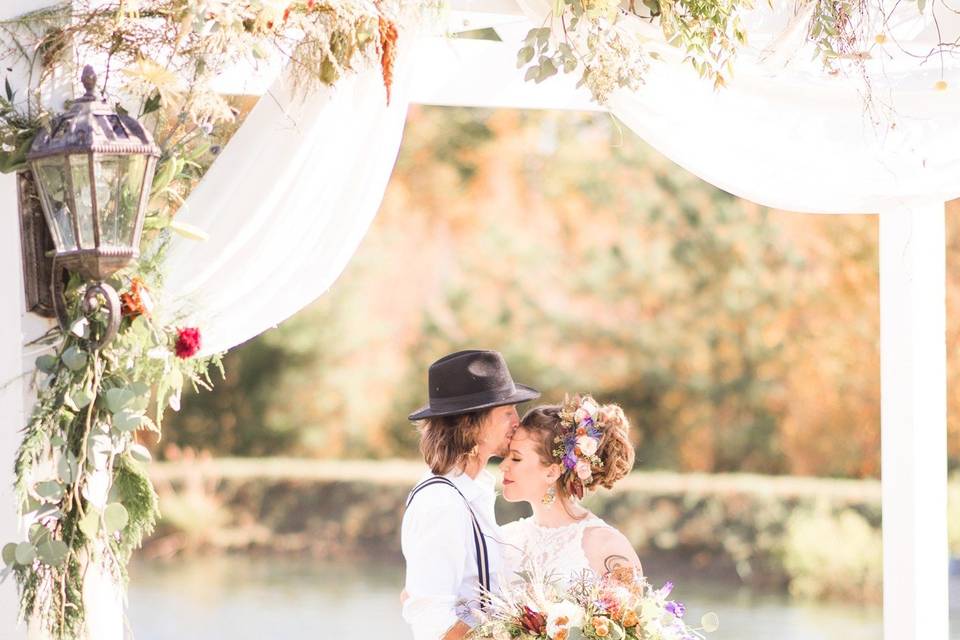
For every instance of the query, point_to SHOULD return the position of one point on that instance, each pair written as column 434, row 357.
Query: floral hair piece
column 576, row 446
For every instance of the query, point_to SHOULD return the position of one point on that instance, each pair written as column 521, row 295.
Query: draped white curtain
column 285, row 205
column 788, row 135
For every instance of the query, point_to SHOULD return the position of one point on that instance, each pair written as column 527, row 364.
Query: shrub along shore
column 816, row 537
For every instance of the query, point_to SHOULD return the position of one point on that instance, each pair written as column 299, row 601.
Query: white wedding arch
column 791, row 136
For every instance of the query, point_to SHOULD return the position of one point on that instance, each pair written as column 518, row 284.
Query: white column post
column 914, row 420
column 16, row 329
column 11, row 386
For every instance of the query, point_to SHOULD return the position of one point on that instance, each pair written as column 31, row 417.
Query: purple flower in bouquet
column 676, row 608
column 665, row 589
column 569, row 460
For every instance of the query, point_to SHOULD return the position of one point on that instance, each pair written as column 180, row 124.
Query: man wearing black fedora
column 449, row 535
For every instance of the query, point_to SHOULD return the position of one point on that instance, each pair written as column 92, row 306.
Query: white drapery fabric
column 285, row 206
column 786, row 134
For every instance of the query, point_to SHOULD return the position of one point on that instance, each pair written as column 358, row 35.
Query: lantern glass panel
column 54, row 191
column 119, row 181
column 80, row 172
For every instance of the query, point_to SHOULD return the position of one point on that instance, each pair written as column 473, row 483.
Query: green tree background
column 736, row 338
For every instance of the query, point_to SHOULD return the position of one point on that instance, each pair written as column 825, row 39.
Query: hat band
column 471, row 399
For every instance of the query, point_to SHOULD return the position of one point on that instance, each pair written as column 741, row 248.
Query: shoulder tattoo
column 614, row 562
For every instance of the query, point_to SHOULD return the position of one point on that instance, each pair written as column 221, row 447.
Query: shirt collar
column 473, row 488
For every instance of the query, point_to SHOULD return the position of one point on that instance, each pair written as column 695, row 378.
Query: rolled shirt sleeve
column 433, row 539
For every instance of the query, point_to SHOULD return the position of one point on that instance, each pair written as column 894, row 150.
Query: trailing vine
column 81, row 488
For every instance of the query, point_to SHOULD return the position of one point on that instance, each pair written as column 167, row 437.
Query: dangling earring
column 549, row 497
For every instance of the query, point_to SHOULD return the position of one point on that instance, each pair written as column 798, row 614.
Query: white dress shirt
column 437, row 542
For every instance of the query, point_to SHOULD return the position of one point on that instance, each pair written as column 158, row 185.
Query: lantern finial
column 89, row 80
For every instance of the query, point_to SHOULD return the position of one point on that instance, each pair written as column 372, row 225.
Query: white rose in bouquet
column 561, row 616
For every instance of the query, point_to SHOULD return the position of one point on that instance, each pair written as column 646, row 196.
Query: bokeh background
column 742, row 342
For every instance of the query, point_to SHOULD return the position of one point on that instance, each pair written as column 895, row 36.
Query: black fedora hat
column 468, row 381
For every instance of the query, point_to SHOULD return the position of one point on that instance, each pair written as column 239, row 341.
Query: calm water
column 241, row 598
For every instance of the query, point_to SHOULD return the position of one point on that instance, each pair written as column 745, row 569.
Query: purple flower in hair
column 676, row 608
column 587, row 422
column 593, row 432
column 666, row 589
column 569, row 461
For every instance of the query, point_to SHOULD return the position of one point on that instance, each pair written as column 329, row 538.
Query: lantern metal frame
column 94, row 132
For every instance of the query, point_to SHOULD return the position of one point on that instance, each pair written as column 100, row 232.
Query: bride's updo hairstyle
column 591, row 442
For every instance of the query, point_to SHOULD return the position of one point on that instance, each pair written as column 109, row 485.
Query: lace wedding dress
column 554, row 551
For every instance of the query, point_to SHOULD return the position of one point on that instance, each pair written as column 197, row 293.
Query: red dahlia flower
column 188, row 342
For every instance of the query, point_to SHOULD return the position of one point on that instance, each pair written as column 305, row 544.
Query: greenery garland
column 80, row 485
column 596, row 38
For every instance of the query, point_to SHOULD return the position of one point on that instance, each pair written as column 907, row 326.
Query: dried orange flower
column 388, row 51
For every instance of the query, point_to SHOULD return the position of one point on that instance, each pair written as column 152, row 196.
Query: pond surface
column 257, row 598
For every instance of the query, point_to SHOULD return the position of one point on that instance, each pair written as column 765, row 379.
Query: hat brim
column 522, row 394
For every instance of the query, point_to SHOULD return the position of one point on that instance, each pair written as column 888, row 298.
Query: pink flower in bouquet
column 583, row 470
column 188, row 342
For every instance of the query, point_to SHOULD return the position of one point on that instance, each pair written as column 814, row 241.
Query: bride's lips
column 506, row 482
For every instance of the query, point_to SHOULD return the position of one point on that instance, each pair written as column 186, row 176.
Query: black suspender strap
column 479, row 541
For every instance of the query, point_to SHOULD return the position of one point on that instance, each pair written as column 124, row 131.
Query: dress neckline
column 577, row 523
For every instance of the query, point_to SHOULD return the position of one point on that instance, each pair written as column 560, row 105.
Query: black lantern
column 93, row 170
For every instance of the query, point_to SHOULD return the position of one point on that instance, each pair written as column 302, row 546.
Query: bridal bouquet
column 621, row 605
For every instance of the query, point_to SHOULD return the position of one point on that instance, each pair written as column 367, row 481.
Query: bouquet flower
column 621, row 605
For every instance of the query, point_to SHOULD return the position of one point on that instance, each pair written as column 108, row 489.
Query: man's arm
column 433, row 539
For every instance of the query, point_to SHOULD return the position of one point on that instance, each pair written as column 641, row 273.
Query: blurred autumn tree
column 736, row 338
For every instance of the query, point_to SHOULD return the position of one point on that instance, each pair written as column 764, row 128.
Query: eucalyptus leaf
column 90, row 524
column 47, row 363
column 74, row 358
column 38, row 533
column 8, row 89
column 114, row 517
column 9, row 553
column 25, row 553
column 67, row 468
column 524, row 56
column 139, row 388
column 81, row 398
column 52, row 552
column 532, row 73
column 139, row 452
column 140, row 403
column 547, row 69
column 50, row 489
column 127, row 420
column 118, row 398
column 48, row 511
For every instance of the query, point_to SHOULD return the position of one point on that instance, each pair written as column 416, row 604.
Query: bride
column 556, row 454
